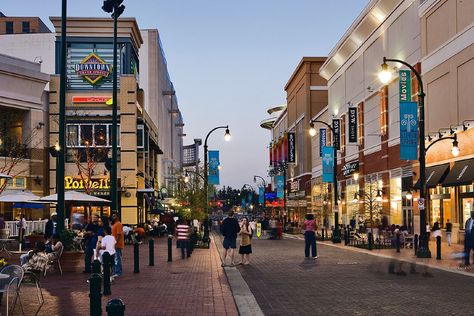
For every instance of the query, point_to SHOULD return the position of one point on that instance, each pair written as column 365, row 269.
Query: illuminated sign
column 93, row 68
column 71, row 183
column 91, row 99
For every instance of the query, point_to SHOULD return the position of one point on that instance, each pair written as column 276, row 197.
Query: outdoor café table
column 4, row 276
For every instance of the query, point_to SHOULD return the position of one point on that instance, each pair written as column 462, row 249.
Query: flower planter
column 72, row 261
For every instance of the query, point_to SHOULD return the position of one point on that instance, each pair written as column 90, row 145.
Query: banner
column 291, row 148
column 213, row 171
column 328, row 164
column 271, row 154
column 261, row 195
column 322, row 140
column 280, row 186
column 352, row 125
column 243, row 205
column 408, row 131
column 249, row 197
column 336, row 125
column 285, row 147
column 404, row 85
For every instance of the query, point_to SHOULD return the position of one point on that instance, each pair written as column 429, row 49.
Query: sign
column 353, row 125
column 90, row 99
column 328, row 164
column 280, row 186
column 71, row 183
column 270, row 196
column 350, row 168
column 322, row 140
column 243, row 204
column 291, row 148
column 213, row 172
column 336, row 126
column 408, row 131
column 421, row 204
column 259, row 230
column 261, row 195
column 294, row 186
column 93, row 68
column 404, row 85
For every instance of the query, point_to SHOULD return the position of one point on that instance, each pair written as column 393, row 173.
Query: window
column 15, row 182
column 96, row 135
column 20, row 182
column 100, row 135
column 9, row 27
column 86, row 135
column 72, row 135
column 140, row 136
column 25, row 27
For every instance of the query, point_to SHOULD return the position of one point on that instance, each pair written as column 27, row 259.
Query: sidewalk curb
column 243, row 297
column 367, row 252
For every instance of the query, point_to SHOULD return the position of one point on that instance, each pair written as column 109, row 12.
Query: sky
column 229, row 61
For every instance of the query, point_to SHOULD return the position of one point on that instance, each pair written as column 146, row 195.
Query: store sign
column 404, row 84
column 336, row 126
column 322, row 140
column 294, row 186
column 93, row 68
column 90, row 99
column 408, row 131
column 71, row 183
column 328, row 164
column 291, row 148
column 352, row 125
column 350, row 168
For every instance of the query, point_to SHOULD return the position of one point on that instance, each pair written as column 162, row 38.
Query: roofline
column 300, row 65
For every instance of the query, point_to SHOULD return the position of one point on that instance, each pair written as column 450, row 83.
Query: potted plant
column 72, row 257
column 34, row 237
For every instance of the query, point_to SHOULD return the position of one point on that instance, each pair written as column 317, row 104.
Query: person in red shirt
column 182, row 233
column 117, row 232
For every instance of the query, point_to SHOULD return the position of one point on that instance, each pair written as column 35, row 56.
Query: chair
column 15, row 278
column 34, row 277
column 56, row 261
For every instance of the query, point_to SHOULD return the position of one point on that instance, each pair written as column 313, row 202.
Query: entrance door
column 407, row 214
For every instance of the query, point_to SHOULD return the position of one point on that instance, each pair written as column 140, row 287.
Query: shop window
column 9, row 27
column 86, row 135
column 72, row 135
column 467, row 207
column 100, row 135
column 16, row 182
column 396, row 201
column 140, row 136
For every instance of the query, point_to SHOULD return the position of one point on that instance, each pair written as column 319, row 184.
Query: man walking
column 229, row 229
column 449, row 230
column 90, row 242
column 182, row 233
column 50, row 229
column 117, row 232
column 469, row 238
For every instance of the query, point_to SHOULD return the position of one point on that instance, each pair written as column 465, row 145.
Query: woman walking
column 310, row 236
column 245, row 241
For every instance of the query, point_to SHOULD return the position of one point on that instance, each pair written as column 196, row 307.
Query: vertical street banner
column 322, row 140
column 352, row 125
column 213, row 171
column 328, row 164
column 280, row 186
column 404, row 85
column 336, row 125
column 243, row 205
column 261, row 195
column 285, row 147
column 271, row 154
column 408, row 131
column 291, row 147
column 249, row 197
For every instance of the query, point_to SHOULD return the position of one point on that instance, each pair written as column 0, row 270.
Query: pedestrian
column 245, row 248
column 90, row 231
column 117, row 233
column 436, row 230
column 50, row 228
column 449, row 230
column 428, row 231
column 22, row 229
column 229, row 229
column 105, row 244
column 182, row 234
column 310, row 236
column 468, row 238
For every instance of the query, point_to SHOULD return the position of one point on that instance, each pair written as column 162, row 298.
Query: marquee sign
column 350, row 168
column 71, row 183
column 93, row 68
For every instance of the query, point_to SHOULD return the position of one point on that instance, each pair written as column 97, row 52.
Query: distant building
column 21, row 25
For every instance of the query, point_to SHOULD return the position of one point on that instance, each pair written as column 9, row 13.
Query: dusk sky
column 229, row 60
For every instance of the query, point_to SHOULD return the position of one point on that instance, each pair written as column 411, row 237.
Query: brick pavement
column 196, row 286
column 344, row 282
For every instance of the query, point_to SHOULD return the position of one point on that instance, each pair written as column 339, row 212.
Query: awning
column 434, row 175
column 28, row 205
column 461, row 174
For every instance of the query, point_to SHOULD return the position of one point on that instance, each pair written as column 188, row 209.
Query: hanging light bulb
column 409, row 195
column 227, row 136
column 312, row 130
column 356, row 198
column 455, row 149
column 385, row 75
column 356, row 176
column 186, row 177
column 378, row 197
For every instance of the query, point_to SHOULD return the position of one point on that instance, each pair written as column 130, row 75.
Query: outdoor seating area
column 380, row 240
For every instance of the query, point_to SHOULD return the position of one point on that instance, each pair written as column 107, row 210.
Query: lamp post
column 116, row 8
column 264, row 187
column 336, row 236
column 206, row 176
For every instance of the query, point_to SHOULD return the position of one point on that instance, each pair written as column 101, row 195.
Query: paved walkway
column 194, row 286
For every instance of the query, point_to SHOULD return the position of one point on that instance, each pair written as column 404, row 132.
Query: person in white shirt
column 106, row 244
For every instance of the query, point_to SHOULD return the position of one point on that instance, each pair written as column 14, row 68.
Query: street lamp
column 336, row 236
column 264, row 186
column 116, row 8
column 206, row 175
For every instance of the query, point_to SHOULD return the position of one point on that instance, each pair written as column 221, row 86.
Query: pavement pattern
column 344, row 282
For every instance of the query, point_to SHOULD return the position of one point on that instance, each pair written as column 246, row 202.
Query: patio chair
column 34, row 277
column 55, row 262
column 12, row 283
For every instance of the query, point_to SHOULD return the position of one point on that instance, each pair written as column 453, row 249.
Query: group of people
column 230, row 229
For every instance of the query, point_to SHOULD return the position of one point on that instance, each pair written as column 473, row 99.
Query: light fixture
column 409, row 195
column 312, row 130
column 57, row 147
column 219, row 167
column 378, row 197
column 455, row 149
column 227, row 135
column 356, row 198
column 385, row 75
column 356, row 176
column 186, row 177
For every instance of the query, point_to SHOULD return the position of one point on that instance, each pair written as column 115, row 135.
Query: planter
column 72, row 261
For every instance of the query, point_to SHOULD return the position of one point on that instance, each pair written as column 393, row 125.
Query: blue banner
column 261, row 195
column 243, row 204
column 322, row 140
column 408, row 131
column 328, row 164
column 213, row 167
column 280, row 186
column 249, row 197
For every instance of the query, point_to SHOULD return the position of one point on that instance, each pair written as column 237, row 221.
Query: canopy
column 434, row 175
column 461, row 174
column 28, row 205
column 74, row 196
column 12, row 196
column 4, row 175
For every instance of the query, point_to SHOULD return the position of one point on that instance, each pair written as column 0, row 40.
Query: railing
column 30, row 226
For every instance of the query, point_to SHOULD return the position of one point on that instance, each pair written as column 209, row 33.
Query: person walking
column 182, row 233
column 310, row 237
column 90, row 232
column 22, row 229
column 117, row 233
column 468, row 238
column 229, row 229
column 245, row 248
column 449, row 230
column 50, row 228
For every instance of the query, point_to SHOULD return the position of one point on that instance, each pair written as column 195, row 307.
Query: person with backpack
column 229, row 229
column 246, row 233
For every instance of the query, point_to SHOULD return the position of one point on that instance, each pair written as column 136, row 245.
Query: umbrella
column 4, row 175
column 18, row 196
column 74, row 196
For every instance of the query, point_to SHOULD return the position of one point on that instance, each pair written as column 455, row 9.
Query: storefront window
column 86, row 135
column 100, row 135
column 72, row 135
column 352, row 206
column 466, row 210
column 396, row 201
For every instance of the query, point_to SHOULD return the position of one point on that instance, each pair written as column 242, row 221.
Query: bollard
column 151, row 244
column 106, row 269
column 95, row 297
column 415, row 244
column 322, row 234
column 346, row 236
column 136, row 259
column 369, row 236
column 170, row 250
column 397, row 242
column 438, row 248
column 96, row 266
column 115, row 307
